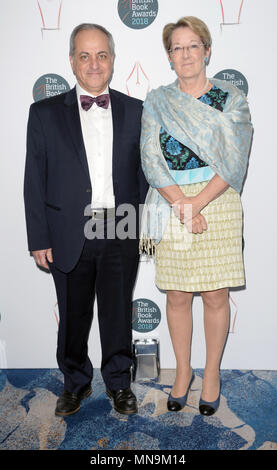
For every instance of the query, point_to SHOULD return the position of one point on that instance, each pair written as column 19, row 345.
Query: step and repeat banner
column 35, row 65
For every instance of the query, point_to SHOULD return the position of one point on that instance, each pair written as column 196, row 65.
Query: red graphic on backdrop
column 135, row 315
column 50, row 12
column 137, row 83
column 40, row 91
column 231, row 12
column 55, row 313
column 125, row 4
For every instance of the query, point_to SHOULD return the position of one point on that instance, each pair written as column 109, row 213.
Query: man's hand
column 42, row 256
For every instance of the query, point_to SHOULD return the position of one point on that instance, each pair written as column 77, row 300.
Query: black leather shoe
column 69, row 403
column 125, row 401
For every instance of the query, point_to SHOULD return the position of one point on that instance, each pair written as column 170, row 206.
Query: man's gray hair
column 88, row 26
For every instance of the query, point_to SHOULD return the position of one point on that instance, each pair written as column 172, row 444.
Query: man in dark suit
column 82, row 172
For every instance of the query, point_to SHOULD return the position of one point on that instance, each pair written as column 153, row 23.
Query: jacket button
column 88, row 190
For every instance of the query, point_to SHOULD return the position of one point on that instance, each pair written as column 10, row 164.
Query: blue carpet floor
column 246, row 419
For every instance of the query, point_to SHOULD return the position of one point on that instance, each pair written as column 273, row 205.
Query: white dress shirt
column 97, row 129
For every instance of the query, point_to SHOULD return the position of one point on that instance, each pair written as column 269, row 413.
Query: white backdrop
column 34, row 41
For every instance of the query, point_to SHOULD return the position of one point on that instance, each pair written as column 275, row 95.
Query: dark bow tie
column 101, row 100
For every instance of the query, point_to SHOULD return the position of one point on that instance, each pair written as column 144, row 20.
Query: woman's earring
column 206, row 60
column 171, row 65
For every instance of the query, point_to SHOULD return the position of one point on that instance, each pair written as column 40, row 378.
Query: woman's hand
column 197, row 225
column 187, row 209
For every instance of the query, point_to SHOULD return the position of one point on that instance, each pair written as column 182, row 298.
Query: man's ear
column 71, row 60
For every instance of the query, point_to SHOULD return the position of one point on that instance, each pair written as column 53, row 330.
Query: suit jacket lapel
column 118, row 122
column 72, row 118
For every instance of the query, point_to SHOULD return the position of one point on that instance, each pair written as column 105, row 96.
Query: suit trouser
column 102, row 270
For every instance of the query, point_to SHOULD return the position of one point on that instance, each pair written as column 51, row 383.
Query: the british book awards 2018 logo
column 137, row 14
column 146, row 315
column 235, row 77
column 49, row 85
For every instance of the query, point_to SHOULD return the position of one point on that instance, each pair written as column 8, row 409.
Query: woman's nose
column 186, row 51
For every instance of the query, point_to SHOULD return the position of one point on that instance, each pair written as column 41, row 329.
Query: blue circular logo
column 137, row 14
column 49, row 85
column 146, row 315
column 235, row 77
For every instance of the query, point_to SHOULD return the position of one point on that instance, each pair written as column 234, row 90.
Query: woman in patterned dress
column 196, row 136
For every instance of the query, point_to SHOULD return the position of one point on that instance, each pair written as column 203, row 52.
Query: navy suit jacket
column 57, row 186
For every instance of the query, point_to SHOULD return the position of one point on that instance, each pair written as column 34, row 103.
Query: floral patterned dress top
column 177, row 155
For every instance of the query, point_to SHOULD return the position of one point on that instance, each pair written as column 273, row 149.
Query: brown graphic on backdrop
column 231, row 12
column 137, row 82
column 50, row 13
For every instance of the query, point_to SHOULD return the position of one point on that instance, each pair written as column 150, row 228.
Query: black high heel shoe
column 208, row 408
column 177, row 403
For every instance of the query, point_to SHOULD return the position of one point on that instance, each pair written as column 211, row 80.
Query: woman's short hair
column 88, row 26
column 195, row 24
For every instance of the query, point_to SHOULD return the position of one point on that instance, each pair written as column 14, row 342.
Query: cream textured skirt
column 208, row 261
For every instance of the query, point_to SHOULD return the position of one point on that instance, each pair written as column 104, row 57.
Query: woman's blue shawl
column 221, row 139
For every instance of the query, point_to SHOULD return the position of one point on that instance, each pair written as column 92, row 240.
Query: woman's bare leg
column 179, row 318
column 216, row 324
